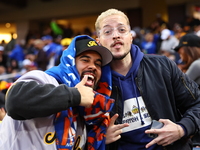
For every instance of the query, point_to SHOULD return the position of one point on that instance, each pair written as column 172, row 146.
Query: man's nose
column 92, row 66
column 115, row 33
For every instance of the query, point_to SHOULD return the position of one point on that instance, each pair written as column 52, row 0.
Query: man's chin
column 120, row 57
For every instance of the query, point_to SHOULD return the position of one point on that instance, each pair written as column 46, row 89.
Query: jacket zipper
column 136, row 81
column 187, row 87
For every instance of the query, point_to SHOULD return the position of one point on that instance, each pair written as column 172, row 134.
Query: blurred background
column 25, row 17
column 34, row 33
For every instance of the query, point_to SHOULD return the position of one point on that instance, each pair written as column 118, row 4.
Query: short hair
column 107, row 13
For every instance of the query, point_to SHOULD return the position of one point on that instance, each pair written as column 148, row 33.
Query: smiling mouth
column 90, row 81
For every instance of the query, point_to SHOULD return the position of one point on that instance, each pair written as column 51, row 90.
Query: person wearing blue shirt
column 17, row 54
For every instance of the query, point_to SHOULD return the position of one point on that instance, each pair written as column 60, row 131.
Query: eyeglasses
column 108, row 32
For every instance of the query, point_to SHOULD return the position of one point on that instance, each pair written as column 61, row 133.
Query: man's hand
column 168, row 134
column 87, row 94
column 113, row 132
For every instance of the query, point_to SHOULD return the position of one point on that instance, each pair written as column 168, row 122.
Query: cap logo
column 185, row 43
column 91, row 43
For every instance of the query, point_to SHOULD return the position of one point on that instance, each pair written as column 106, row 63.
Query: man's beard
column 96, row 86
column 120, row 57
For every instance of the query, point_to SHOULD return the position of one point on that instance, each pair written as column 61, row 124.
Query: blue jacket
column 17, row 53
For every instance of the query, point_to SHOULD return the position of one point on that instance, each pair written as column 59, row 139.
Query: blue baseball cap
column 47, row 37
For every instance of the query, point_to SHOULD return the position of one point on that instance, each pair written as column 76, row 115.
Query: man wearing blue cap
column 52, row 50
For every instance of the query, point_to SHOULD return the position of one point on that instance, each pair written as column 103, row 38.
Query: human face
column 182, row 54
column 119, row 44
column 89, row 63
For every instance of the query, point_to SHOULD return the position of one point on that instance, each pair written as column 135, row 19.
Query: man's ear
column 131, row 38
column 97, row 39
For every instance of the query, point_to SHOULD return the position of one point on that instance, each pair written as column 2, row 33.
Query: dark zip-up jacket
column 168, row 94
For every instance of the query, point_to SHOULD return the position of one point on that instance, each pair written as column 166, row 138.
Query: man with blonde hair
column 146, row 88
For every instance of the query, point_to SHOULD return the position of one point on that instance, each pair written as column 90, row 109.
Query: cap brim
column 177, row 48
column 104, row 52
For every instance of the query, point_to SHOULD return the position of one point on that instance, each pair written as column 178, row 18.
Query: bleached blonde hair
column 107, row 13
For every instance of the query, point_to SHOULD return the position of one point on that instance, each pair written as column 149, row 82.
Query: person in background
column 28, row 65
column 87, row 31
column 3, row 59
column 50, row 50
column 41, row 58
column 197, row 28
column 10, row 45
column 58, row 49
column 51, row 109
column 148, row 46
column 137, row 36
column 65, row 43
column 178, row 30
column 3, row 43
column 17, row 53
column 189, row 51
column 146, row 88
column 169, row 41
column 2, row 107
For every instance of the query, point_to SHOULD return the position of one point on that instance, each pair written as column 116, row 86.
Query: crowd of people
column 43, row 51
column 154, row 77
